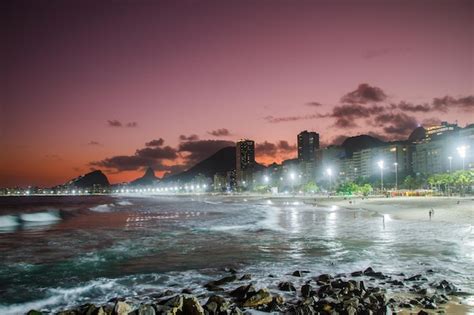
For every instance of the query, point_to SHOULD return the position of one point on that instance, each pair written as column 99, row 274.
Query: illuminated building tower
column 308, row 143
column 245, row 161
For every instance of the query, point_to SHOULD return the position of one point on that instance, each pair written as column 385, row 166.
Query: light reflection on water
column 146, row 239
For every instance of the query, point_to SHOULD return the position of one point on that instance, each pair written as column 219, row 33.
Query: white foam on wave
column 103, row 208
column 269, row 221
column 124, row 203
column 39, row 217
column 8, row 221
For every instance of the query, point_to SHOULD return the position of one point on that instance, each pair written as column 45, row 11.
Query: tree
column 310, row 187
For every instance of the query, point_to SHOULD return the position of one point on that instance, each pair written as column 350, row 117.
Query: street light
column 380, row 164
column 329, row 172
column 450, row 158
column 266, row 179
column 462, row 154
column 396, row 175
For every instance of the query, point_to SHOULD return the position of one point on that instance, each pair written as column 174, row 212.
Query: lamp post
column 462, row 154
column 396, row 175
column 450, row 158
column 380, row 164
column 329, row 172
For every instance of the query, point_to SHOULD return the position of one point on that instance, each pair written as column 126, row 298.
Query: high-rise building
column 245, row 161
column 308, row 143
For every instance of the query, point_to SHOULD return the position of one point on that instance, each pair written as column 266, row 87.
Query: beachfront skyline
column 87, row 83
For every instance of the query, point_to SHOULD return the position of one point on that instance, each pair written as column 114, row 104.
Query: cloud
column 364, row 94
column 222, row 132
column 114, row 123
column 269, row 149
column 314, row 104
column 155, row 143
column 199, row 150
column 266, row 148
column 346, row 114
column 396, row 124
column 192, row 137
column 274, row 120
column 409, row 107
column 126, row 163
column 448, row 102
column 118, row 124
column 160, row 153
column 152, row 155
column 93, row 143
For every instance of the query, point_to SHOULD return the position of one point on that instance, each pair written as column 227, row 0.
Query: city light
column 380, row 164
column 462, row 153
column 266, row 179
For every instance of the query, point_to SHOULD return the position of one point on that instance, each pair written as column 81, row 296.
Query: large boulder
column 262, row 297
column 122, row 308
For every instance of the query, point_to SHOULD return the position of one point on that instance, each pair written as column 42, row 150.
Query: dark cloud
column 364, row 94
column 192, row 137
column 93, row 143
column 114, row 123
column 222, row 132
column 119, row 124
column 448, row 102
column 345, row 115
column 274, row 120
column 199, row 150
column 160, row 153
column 409, row 107
column 396, row 124
column 266, row 148
column 155, row 143
column 314, row 104
column 121, row 163
column 431, row 122
column 285, row 146
column 152, row 155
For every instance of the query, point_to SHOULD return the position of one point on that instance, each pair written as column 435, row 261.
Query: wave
column 7, row 221
column 103, row 208
column 40, row 217
column 124, row 203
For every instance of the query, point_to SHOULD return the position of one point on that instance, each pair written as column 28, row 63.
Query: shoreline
column 297, row 292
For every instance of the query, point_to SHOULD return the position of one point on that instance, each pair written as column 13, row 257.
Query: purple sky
column 76, row 70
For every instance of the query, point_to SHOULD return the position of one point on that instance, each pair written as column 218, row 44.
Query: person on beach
column 429, row 212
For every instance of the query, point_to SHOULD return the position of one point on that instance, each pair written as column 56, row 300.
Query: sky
column 121, row 85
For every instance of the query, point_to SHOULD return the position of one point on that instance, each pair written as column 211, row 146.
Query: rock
column 262, row 297
column 88, row 309
column 243, row 292
column 396, row 282
column 297, row 273
column 236, row 311
column 368, row 271
column 356, row 273
column 231, row 270
column 286, row 286
column 216, row 305
column 351, row 310
column 187, row 291
column 143, row 310
column 306, row 290
column 246, row 276
column 414, row 278
column 122, row 308
column 276, row 305
column 69, row 312
column 34, row 312
column 191, row 306
column 325, row 278
column 422, row 313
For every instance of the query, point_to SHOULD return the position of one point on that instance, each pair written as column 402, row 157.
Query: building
column 444, row 128
column 308, row 144
column 245, row 161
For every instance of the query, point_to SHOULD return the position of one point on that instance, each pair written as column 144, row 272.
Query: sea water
column 61, row 252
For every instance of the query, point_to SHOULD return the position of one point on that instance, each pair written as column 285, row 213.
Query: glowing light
column 380, row 164
column 329, row 171
column 462, row 151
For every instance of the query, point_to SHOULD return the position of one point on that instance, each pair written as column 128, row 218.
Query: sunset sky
column 91, row 84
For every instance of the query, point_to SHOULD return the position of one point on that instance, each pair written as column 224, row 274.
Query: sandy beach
column 447, row 209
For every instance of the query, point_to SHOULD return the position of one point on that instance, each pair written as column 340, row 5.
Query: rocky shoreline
column 360, row 292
